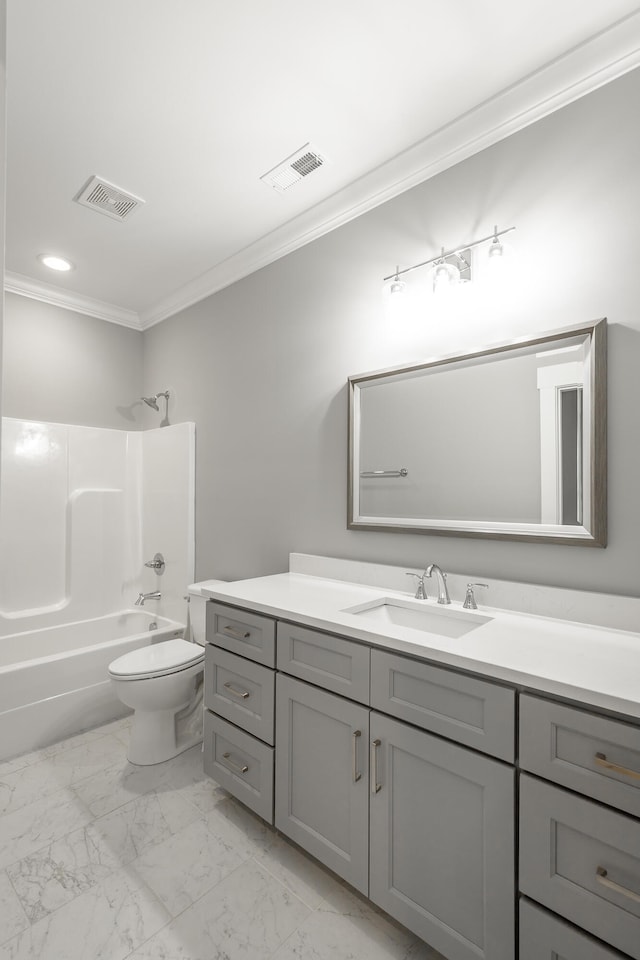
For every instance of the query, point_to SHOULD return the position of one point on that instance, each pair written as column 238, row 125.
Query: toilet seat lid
column 157, row 660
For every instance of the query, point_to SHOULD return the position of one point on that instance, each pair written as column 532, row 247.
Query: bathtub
column 54, row 681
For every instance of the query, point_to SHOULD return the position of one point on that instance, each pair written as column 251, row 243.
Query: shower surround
column 81, row 509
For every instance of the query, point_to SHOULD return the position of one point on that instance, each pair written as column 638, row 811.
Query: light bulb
column 445, row 277
column 395, row 293
column 394, row 287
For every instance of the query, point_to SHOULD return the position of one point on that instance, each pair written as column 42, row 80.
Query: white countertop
column 593, row 665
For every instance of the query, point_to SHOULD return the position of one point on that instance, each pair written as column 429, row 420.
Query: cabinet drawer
column 467, row 710
column 590, row 754
column 326, row 660
column 581, row 860
column 240, row 763
column 543, row 936
column 240, row 691
column 246, row 634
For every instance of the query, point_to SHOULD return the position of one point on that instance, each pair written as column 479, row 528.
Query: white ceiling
column 187, row 104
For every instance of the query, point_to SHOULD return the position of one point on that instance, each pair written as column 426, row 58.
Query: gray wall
column 262, row 366
column 65, row 367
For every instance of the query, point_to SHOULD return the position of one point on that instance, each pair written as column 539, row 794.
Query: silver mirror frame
column 594, row 531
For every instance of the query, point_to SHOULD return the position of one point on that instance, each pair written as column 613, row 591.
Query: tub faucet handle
column 157, row 563
column 470, row 600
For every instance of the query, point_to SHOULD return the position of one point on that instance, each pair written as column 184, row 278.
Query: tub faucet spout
column 154, row 595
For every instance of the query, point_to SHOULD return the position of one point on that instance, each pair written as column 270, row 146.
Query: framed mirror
column 508, row 442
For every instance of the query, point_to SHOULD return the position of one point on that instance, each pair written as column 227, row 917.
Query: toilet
column 163, row 685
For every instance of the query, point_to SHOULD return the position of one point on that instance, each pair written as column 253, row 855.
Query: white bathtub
column 54, row 681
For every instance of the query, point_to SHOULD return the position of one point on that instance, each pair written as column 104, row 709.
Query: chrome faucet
column 443, row 593
column 470, row 600
column 421, row 592
column 154, row 595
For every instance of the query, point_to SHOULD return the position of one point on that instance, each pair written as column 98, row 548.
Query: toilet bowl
column 163, row 684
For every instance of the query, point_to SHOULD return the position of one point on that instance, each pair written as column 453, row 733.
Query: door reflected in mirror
column 507, row 442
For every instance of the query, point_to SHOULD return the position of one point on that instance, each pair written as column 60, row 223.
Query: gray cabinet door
column 322, row 799
column 442, row 841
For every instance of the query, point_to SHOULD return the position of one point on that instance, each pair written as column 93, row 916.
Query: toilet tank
column 197, row 609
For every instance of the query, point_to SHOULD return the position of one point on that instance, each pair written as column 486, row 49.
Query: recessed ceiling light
column 55, row 263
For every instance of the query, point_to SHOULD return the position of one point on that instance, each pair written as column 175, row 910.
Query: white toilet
column 163, row 684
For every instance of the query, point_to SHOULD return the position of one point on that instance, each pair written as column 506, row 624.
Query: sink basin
column 404, row 613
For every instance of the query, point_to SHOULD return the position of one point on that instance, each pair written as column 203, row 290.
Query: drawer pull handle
column 354, row 755
column 241, row 694
column 603, row 878
column 375, row 786
column 234, row 632
column 601, row 760
column 234, row 766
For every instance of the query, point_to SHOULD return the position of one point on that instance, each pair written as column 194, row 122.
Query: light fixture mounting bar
column 455, row 251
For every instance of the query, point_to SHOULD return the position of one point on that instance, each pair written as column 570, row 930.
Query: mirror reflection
column 506, row 442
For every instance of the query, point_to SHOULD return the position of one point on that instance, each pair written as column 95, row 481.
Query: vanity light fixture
column 55, row 263
column 450, row 267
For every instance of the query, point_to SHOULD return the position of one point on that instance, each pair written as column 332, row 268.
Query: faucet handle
column 421, row 593
column 470, row 600
column 157, row 563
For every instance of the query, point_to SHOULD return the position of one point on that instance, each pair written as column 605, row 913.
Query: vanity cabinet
column 321, row 789
column 579, row 837
column 395, row 773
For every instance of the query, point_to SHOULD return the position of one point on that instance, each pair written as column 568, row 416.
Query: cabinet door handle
column 241, row 694
column 239, row 768
column 375, row 786
column 603, row 879
column 234, row 632
column 354, row 755
column 601, row 760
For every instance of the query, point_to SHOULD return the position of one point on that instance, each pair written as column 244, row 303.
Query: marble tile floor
column 103, row 860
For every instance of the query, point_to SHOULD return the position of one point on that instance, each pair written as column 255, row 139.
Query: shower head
column 153, row 401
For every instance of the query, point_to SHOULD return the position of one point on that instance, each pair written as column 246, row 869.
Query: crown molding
column 583, row 69
column 48, row 293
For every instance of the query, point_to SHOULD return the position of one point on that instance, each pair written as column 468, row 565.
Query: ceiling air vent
column 104, row 197
column 292, row 170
